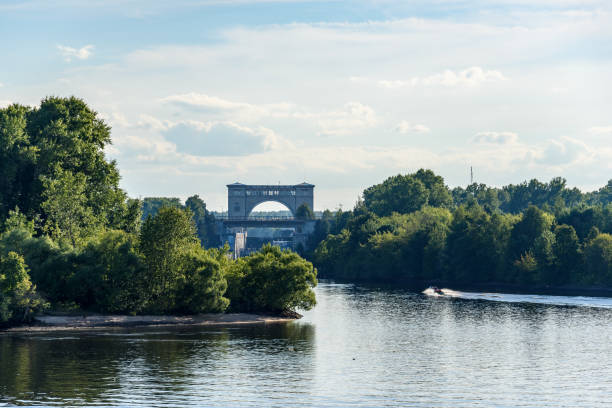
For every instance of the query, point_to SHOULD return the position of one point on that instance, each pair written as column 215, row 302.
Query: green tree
column 68, row 134
column 526, row 268
column 61, row 137
column 598, row 259
column 304, row 212
column 17, row 157
column 51, row 266
column 18, row 298
column 164, row 241
column 532, row 224
column 544, row 256
column 204, row 221
column 567, row 253
column 132, row 219
column 67, row 214
column 111, row 275
column 476, row 245
column 203, row 286
column 439, row 195
column 271, row 280
column 401, row 194
column 18, row 220
column 151, row 205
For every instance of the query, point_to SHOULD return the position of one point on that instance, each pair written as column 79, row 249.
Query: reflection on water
column 358, row 347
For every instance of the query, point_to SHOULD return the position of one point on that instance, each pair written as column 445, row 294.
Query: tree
column 18, row 298
column 439, row 195
column 151, row 205
column 17, row 157
column 51, row 266
column 532, row 224
column 304, row 212
column 204, row 221
column 164, row 241
column 603, row 196
column 18, row 220
column 476, row 244
column 111, row 275
column 203, row 286
column 42, row 147
column 598, row 259
column 566, row 251
column 271, row 280
column 67, row 214
column 544, row 256
column 401, row 194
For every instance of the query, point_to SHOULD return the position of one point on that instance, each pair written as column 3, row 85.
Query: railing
column 261, row 218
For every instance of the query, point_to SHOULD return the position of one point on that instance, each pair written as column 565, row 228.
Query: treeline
column 71, row 239
column 554, row 196
column 413, row 228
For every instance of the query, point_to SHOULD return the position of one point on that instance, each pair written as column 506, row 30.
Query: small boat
column 437, row 290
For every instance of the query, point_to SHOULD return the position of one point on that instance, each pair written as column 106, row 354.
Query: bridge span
column 243, row 198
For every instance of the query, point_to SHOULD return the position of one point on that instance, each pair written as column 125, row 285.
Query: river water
column 359, row 347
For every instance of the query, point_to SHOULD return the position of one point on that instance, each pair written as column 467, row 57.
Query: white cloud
column 600, row 130
column 354, row 116
column 407, row 127
column 468, row 77
column 564, row 152
column 194, row 99
column 153, row 123
column 213, row 104
column 5, row 103
column 80, row 53
column 499, row 138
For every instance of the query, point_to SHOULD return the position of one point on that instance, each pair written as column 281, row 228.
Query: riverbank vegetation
column 71, row 239
column 414, row 228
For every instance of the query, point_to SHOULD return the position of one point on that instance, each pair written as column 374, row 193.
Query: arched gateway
column 242, row 198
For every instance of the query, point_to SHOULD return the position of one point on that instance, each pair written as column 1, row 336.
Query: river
column 361, row 346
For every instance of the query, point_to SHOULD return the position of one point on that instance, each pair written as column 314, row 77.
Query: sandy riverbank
column 62, row 323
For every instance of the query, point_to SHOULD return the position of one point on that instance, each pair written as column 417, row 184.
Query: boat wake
column 582, row 301
column 445, row 292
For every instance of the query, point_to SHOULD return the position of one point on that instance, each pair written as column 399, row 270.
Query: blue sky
column 342, row 94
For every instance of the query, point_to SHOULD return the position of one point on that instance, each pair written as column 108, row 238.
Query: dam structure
column 243, row 198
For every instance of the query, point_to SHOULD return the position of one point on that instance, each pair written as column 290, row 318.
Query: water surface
column 359, row 347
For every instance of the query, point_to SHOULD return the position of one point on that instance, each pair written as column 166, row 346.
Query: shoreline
column 47, row 323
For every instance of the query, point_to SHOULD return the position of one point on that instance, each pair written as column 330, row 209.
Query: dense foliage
column 272, row 280
column 304, row 212
column 18, row 298
column 204, row 219
column 70, row 235
column 408, row 228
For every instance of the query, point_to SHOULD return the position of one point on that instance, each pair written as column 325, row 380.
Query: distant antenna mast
column 471, row 175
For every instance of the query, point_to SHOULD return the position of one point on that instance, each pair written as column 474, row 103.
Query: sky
column 341, row 94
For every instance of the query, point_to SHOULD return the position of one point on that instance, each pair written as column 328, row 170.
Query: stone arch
column 251, row 206
column 242, row 198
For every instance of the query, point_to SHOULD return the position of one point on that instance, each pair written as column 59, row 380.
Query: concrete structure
column 242, row 198
column 234, row 232
column 240, row 240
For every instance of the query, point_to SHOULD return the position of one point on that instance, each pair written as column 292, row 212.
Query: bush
column 18, row 298
column 111, row 275
column 203, row 286
column 271, row 280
